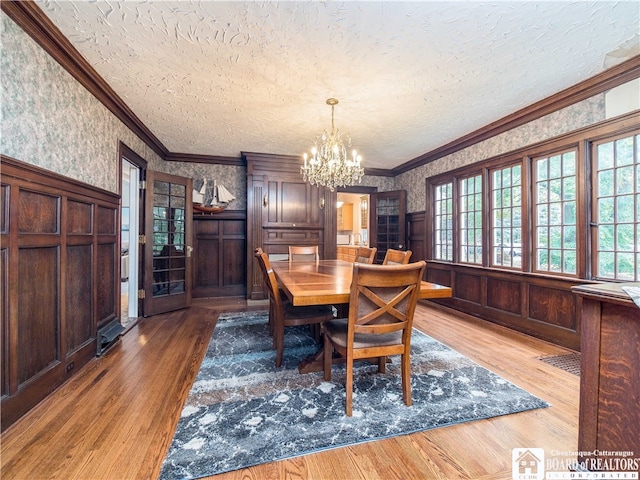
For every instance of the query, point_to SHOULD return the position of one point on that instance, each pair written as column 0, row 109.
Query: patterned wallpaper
column 571, row 118
column 50, row 120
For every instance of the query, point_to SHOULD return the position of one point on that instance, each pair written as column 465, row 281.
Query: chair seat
column 337, row 329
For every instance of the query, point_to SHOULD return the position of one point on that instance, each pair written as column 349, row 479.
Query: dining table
column 328, row 282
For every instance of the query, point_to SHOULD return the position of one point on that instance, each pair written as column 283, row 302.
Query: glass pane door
column 388, row 222
column 168, row 241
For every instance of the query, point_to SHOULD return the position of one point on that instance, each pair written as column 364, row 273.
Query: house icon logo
column 527, row 464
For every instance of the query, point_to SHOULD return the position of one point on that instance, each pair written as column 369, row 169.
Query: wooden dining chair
column 396, row 257
column 306, row 253
column 282, row 313
column 381, row 306
column 366, row 254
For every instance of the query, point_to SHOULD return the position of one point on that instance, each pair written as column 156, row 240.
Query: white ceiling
column 218, row 78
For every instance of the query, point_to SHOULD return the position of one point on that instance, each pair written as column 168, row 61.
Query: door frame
column 126, row 153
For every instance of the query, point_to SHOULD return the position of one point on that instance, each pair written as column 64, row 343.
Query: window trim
column 581, row 141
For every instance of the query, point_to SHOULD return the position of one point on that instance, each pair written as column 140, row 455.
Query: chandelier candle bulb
column 329, row 164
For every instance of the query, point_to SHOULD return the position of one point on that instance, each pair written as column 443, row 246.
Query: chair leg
column 406, row 379
column 382, row 364
column 328, row 353
column 315, row 331
column 349, row 385
column 279, row 343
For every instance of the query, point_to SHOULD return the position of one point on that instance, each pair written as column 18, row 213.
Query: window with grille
column 506, row 216
column 443, row 241
column 470, row 199
column 617, row 205
column 555, row 249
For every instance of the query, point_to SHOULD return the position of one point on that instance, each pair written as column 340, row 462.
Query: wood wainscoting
column 220, row 244
column 538, row 305
column 60, row 280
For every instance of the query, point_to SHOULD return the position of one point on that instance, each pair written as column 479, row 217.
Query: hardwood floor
column 116, row 417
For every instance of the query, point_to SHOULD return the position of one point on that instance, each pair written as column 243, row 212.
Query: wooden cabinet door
column 168, row 243
column 388, row 222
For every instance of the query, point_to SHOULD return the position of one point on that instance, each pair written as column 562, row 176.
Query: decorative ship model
column 214, row 202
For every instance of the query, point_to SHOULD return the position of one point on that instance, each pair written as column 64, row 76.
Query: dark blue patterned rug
column 242, row 411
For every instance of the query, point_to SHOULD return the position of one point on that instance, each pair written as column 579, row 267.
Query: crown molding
column 211, row 159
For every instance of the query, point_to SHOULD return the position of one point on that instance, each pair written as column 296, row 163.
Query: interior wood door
column 168, row 243
column 387, row 218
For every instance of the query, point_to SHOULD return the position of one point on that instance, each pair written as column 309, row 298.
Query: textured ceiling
column 218, row 78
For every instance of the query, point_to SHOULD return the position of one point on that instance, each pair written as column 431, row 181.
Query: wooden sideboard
column 610, row 374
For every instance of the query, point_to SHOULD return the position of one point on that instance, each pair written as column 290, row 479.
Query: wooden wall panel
column 554, row 306
column 292, row 203
column 504, row 295
column 37, row 212
column 207, row 264
column 469, row 287
column 416, row 236
column 537, row 305
column 59, row 263
column 78, row 297
column 233, row 264
column 219, row 255
column 38, row 311
column 79, row 218
column 107, row 220
column 105, row 280
column 437, row 275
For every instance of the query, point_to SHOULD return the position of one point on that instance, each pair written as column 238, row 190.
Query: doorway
column 129, row 249
column 352, row 219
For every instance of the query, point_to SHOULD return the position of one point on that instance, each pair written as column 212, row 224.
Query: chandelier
column 329, row 164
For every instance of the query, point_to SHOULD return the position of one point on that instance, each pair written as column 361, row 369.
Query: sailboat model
column 219, row 200
column 222, row 196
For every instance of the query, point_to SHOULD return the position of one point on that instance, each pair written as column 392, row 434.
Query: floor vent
column 569, row 362
column 108, row 336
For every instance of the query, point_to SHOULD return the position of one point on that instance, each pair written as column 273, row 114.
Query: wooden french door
column 387, row 218
column 167, row 243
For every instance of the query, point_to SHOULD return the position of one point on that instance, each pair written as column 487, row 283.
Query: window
column 471, row 219
column 569, row 208
column 617, row 204
column 443, row 218
column 555, row 213
column 506, row 216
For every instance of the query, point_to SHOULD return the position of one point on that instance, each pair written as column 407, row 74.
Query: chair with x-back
column 303, row 253
column 382, row 303
column 396, row 257
column 282, row 313
column 366, row 254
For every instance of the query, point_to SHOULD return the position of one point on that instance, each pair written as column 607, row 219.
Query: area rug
column 242, row 411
